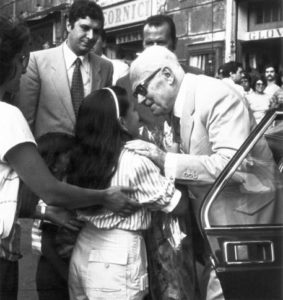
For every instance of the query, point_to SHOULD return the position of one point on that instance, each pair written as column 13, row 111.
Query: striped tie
column 77, row 88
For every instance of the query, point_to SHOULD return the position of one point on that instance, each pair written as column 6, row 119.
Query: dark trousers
column 50, row 285
column 9, row 278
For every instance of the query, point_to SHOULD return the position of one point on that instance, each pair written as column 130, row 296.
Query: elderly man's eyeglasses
column 141, row 89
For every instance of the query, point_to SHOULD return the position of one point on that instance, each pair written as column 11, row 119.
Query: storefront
column 47, row 25
column 124, row 24
column 201, row 33
column 260, row 33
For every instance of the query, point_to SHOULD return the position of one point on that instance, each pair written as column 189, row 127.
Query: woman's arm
column 28, row 164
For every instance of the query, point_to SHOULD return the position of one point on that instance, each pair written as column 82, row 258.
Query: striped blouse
column 154, row 191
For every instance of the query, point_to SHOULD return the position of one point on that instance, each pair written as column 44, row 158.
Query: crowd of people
column 114, row 175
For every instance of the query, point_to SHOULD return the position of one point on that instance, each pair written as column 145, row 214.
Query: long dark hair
column 99, row 139
column 14, row 36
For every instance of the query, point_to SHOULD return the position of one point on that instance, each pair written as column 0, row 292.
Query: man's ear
column 68, row 25
column 169, row 75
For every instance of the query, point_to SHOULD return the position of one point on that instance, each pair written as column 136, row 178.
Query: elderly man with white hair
column 213, row 124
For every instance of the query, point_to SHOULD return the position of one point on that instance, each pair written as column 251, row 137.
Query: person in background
column 54, row 244
column 111, row 249
column 219, row 73
column 57, row 79
column 175, row 270
column 46, row 45
column 246, row 82
column 259, row 101
column 270, row 76
column 120, row 67
column 232, row 75
column 280, row 75
column 19, row 159
column 207, row 117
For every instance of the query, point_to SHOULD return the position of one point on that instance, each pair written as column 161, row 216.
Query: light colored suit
column 45, row 97
column 214, row 124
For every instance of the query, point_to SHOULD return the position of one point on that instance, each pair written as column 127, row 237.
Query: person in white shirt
column 47, row 91
column 246, row 82
column 120, row 67
column 270, row 76
column 19, row 159
column 259, row 101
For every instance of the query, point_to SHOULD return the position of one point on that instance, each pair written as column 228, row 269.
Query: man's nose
column 90, row 34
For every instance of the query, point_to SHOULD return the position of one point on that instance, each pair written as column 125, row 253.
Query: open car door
column 247, row 247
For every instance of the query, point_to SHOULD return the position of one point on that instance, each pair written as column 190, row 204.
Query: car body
column 248, row 255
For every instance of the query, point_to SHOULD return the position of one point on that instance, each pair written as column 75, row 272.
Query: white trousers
column 108, row 265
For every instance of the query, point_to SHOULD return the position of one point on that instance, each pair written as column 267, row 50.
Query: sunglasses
column 141, row 89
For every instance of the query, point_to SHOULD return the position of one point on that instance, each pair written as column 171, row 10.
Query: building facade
column 260, row 33
column 210, row 32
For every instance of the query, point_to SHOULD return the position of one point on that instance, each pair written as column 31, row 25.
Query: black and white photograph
column 141, row 150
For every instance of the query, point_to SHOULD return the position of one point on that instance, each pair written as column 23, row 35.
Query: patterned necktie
column 77, row 87
column 176, row 129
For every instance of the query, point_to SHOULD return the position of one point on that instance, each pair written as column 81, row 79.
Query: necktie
column 77, row 88
column 176, row 128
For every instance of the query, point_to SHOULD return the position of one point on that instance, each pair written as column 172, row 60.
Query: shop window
column 266, row 12
column 203, row 61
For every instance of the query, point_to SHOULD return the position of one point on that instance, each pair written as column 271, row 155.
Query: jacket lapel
column 95, row 72
column 61, row 82
column 187, row 121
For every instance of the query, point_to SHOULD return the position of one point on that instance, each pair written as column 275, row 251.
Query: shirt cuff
column 173, row 203
column 170, row 166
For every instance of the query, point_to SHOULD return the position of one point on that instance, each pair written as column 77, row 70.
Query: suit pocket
column 253, row 204
column 106, row 273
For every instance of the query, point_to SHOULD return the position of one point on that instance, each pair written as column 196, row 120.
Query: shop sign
column 103, row 3
column 130, row 12
column 264, row 34
column 130, row 37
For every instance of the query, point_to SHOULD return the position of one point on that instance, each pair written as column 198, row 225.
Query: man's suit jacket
column 44, row 95
column 214, row 124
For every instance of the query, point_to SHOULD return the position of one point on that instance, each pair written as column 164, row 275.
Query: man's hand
column 118, row 200
column 151, row 151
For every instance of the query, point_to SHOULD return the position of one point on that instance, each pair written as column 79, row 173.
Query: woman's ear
column 123, row 124
column 169, row 75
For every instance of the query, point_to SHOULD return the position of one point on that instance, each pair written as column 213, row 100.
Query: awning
column 45, row 12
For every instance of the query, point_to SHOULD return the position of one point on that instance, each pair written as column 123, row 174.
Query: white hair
column 152, row 58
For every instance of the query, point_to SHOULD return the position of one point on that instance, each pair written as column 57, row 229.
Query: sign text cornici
column 127, row 13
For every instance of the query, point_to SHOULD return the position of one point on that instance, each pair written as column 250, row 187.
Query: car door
column 247, row 244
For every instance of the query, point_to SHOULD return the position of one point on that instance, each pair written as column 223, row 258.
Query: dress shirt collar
column 70, row 57
column 179, row 103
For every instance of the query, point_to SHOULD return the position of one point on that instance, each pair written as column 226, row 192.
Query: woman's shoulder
column 135, row 160
column 7, row 110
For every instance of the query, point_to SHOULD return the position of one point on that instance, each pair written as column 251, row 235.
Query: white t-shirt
column 259, row 104
column 14, row 130
column 271, row 89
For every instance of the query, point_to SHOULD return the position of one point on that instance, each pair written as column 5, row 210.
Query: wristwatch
column 42, row 212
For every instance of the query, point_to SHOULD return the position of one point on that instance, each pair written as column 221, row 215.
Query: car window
column 253, row 195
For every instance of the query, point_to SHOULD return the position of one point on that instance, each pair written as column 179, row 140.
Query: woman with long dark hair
column 19, row 159
column 109, row 260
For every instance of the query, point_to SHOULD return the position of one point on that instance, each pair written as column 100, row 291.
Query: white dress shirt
column 70, row 58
